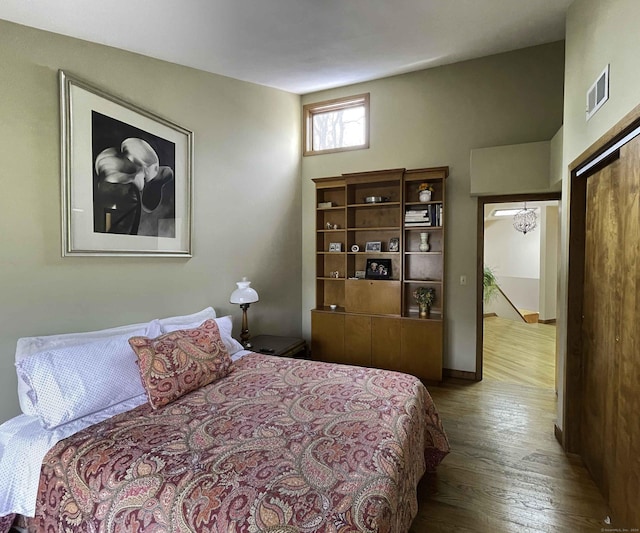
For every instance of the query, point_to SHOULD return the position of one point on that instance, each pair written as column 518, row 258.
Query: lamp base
column 244, row 333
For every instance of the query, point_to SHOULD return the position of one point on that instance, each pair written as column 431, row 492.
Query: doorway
column 506, row 327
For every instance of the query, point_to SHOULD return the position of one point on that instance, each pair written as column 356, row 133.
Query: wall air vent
column 598, row 93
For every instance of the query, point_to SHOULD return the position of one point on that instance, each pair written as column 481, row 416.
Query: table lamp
column 245, row 296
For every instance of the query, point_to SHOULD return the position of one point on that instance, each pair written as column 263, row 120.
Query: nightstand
column 281, row 346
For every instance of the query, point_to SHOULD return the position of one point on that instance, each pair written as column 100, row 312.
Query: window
column 336, row 125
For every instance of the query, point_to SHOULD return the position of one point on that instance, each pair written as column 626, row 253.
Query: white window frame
column 337, row 104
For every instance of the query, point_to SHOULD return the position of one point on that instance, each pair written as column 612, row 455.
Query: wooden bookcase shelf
column 376, row 321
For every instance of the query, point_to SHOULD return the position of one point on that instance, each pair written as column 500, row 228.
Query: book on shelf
column 430, row 216
column 416, row 216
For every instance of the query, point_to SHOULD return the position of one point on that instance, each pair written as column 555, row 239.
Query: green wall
column 436, row 117
column 247, row 218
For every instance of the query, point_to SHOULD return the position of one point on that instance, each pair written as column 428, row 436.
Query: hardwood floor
column 517, row 352
column 506, row 472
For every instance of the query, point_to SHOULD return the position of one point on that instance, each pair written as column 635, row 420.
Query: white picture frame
column 126, row 177
column 335, row 247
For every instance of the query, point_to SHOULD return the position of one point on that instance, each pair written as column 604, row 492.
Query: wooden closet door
column 611, row 330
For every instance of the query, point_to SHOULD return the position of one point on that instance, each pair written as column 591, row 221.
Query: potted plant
column 489, row 284
column 424, row 296
column 424, row 192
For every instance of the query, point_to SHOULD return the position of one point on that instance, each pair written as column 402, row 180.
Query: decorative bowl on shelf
column 375, row 199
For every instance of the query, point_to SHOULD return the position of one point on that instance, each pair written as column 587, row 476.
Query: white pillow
column 185, row 320
column 75, row 381
column 28, row 346
column 225, row 325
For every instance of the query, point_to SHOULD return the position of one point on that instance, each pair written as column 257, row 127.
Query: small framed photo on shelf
column 335, row 246
column 360, row 274
column 378, row 269
column 394, row 244
column 373, row 246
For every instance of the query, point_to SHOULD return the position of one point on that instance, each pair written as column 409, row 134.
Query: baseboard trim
column 558, row 434
column 458, row 374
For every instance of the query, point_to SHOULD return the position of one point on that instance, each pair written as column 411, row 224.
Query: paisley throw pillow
column 179, row 362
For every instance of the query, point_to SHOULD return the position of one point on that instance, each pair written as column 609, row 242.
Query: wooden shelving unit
column 376, row 321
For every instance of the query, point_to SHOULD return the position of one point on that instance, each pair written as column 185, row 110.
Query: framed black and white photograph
column 127, row 177
column 394, row 244
column 378, row 269
column 335, row 246
column 373, row 246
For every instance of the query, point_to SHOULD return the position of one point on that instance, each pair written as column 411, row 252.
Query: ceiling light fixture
column 525, row 220
column 504, row 212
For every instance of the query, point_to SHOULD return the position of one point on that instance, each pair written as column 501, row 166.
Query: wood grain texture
column 573, row 392
column 327, row 336
column 611, row 362
column 518, row 352
column 377, row 297
column 421, row 349
column 573, row 360
column 385, row 342
column 357, row 340
column 506, row 471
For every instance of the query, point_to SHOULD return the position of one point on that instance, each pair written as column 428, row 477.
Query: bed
column 273, row 445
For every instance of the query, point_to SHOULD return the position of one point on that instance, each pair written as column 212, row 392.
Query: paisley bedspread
column 278, row 445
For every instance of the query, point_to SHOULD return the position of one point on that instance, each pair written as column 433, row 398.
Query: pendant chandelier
column 525, row 220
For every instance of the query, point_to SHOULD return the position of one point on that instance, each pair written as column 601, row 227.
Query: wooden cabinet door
column 327, row 337
column 385, row 342
column 421, row 349
column 376, row 297
column 411, row 346
column 357, row 340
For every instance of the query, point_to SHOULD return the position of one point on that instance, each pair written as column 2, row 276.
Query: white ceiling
column 301, row 46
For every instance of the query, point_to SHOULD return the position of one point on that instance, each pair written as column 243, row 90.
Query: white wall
column 511, row 253
column 525, row 265
column 598, row 32
column 515, row 259
column 500, row 306
column 247, row 199
column 436, row 117
column 549, row 245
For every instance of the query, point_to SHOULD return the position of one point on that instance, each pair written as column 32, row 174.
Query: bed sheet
column 23, row 445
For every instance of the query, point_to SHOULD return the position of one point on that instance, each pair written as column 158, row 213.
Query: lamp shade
column 244, row 294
